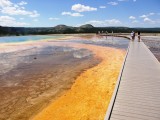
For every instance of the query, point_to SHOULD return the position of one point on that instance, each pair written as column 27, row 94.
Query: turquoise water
column 101, row 41
column 26, row 38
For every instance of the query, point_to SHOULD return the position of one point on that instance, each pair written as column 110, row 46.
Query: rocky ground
column 153, row 43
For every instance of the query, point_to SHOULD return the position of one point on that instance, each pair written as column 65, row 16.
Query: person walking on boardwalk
column 139, row 37
column 132, row 35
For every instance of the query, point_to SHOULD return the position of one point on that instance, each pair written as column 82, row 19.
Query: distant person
column 132, row 35
column 139, row 36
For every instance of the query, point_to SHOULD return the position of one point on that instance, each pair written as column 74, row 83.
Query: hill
column 64, row 29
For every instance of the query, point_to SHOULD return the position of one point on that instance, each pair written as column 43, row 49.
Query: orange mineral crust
column 90, row 95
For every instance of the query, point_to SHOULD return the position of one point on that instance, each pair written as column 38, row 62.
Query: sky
column 99, row 13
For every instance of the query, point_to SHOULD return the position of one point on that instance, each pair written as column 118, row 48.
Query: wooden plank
column 136, row 115
column 138, row 96
column 127, row 116
column 124, row 117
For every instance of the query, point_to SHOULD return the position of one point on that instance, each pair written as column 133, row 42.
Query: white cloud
column 113, row 21
column 9, row 8
column 134, row 0
column 135, row 21
column 22, row 3
column 72, row 14
column 19, row 11
column 143, row 16
column 151, row 13
column 132, row 17
column 53, row 18
column 4, row 3
column 102, row 7
column 148, row 20
column 112, row 3
column 12, row 10
column 10, row 21
column 98, row 23
column 6, row 18
column 147, row 15
column 82, row 8
column 34, row 14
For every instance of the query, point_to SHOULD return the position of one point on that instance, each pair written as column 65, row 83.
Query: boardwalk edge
column 112, row 101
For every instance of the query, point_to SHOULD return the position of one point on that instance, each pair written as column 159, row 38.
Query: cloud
column 98, row 23
column 112, row 3
column 22, row 3
column 4, row 3
column 143, row 16
column 9, row 8
column 10, row 21
column 135, row 21
column 132, row 17
column 102, row 7
column 151, row 13
column 19, row 11
column 82, row 8
column 148, row 20
column 147, row 15
column 34, row 14
column 72, row 14
column 134, row 0
column 53, row 18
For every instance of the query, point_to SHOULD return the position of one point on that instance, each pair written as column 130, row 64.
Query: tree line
column 63, row 29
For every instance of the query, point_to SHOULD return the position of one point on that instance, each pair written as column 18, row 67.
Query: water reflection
column 117, row 42
column 10, row 60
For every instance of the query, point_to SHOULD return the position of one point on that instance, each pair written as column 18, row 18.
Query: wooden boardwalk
column 137, row 93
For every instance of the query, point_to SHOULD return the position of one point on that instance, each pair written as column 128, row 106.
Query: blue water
column 26, row 38
column 101, row 41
